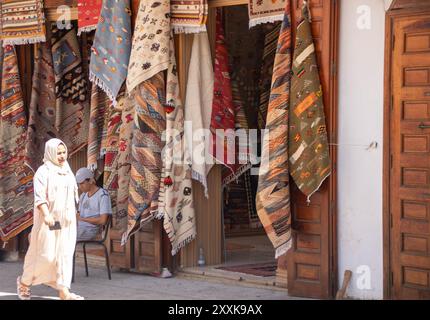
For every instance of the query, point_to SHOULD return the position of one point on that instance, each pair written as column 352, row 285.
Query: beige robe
column 49, row 259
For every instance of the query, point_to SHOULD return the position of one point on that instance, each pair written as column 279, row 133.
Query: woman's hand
column 47, row 217
column 49, row 220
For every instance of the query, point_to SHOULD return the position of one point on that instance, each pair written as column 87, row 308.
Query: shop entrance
column 312, row 260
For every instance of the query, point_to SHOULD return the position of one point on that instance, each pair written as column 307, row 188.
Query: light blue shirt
column 91, row 207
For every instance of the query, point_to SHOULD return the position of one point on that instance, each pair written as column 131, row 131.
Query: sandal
column 73, row 296
column 23, row 291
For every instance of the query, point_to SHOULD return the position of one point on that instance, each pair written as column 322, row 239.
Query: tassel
column 283, row 249
column 273, row 19
column 102, row 85
column 183, row 243
column 12, row 42
column 86, row 29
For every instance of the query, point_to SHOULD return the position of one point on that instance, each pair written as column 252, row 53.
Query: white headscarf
column 51, row 161
column 50, row 157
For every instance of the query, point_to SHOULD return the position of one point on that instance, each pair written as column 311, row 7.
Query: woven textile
column 198, row 108
column 88, row 15
column 59, row 106
column 308, row 144
column 189, row 16
column 100, row 105
column 111, row 49
column 242, row 161
column 22, row 22
column 273, row 196
column 271, row 34
column 251, row 189
column 71, row 88
column 42, row 110
column 111, row 151
column 223, row 110
column 262, row 11
column 124, row 165
column 150, row 48
column 176, row 196
column 245, row 52
column 146, row 162
column 16, row 177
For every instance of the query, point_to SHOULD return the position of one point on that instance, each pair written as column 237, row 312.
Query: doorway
column 312, row 260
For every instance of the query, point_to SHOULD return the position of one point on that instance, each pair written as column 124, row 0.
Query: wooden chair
column 102, row 242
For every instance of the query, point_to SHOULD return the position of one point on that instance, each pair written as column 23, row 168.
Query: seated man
column 94, row 205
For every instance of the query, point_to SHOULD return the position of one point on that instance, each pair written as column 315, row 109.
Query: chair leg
column 107, row 262
column 73, row 272
column 85, row 259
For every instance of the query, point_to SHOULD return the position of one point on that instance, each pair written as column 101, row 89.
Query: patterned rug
column 263, row 11
column 198, row 107
column 150, row 48
column 241, row 164
column 223, row 110
column 16, row 177
column 88, row 15
column 22, row 22
column 271, row 34
column 273, row 196
column 175, row 204
column 251, row 192
column 59, row 105
column 111, row 151
column 42, row 110
column 146, row 162
column 189, row 16
column 259, row 269
column 111, row 49
column 124, row 165
column 71, row 87
column 100, row 105
column 245, row 52
column 308, row 143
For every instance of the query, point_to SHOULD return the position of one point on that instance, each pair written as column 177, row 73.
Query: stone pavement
column 130, row 286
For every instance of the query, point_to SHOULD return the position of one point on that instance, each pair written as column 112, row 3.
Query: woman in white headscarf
column 49, row 259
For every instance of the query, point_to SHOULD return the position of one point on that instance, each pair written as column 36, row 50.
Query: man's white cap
column 82, row 174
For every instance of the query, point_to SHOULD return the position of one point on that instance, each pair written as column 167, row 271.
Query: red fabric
column 88, row 13
column 223, row 110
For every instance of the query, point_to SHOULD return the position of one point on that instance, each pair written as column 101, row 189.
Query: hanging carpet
column 263, row 11
column 22, row 22
column 176, row 197
column 71, row 88
column 198, row 108
column 189, row 16
column 308, row 143
column 273, row 196
column 223, row 110
column 111, row 50
column 146, row 162
column 88, row 15
column 16, row 176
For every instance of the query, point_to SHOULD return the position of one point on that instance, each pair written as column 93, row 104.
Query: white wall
column 387, row 4
column 361, row 88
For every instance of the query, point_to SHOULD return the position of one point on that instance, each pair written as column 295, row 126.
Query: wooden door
column 312, row 260
column 410, row 158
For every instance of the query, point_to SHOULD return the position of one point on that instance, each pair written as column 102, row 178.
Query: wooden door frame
column 397, row 10
column 334, row 260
